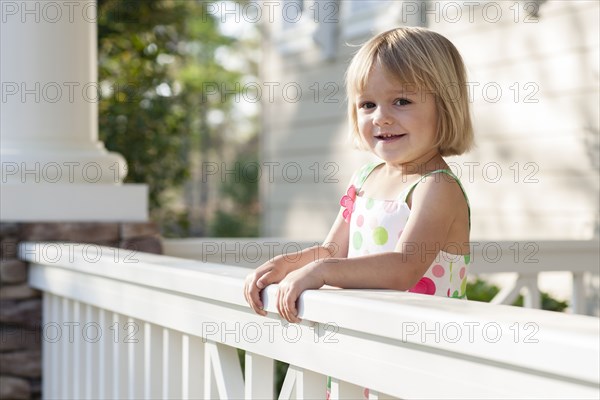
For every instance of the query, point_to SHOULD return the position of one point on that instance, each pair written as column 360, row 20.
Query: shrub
column 480, row 290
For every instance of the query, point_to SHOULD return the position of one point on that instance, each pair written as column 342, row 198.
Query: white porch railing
column 528, row 259
column 119, row 324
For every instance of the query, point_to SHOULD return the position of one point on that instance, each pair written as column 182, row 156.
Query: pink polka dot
column 360, row 220
column 438, row 271
column 424, row 286
column 448, row 292
column 462, row 272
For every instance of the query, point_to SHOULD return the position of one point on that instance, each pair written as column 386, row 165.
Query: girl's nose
column 382, row 117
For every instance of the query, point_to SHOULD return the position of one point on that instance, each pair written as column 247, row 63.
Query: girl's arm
column 435, row 206
column 273, row 271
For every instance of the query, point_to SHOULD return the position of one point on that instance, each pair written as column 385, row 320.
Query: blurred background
column 234, row 112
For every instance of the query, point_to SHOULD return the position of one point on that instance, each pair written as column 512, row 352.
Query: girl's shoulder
column 443, row 178
column 442, row 184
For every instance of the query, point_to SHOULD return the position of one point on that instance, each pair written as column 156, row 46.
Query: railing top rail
column 561, row 344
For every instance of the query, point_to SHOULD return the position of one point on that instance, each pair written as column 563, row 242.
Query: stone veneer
column 21, row 306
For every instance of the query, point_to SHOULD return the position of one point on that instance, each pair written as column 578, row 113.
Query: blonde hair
column 431, row 62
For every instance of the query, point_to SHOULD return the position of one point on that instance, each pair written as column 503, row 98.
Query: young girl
column 404, row 222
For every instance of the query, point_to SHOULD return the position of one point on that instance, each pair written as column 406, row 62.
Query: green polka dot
column 357, row 240
column 380, row 235
column 370, row 203
column 467, row 259
column 455, row 294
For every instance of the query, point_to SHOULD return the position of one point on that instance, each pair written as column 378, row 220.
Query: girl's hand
column 290, row 288
column 263, row 276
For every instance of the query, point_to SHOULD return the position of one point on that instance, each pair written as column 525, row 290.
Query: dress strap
column 449, row 173
column 363, row 173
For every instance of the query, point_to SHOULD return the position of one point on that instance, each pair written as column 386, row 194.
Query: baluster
column 153, row 355
column 46, row 354
column 114, row 349
column 65, row 354
column 259, row 380
column 106, row 355
column 578, row 305
column 210, row 383
column 75, row 343
column 532, row 298
column 224, row 365
column 172, row 364
column 345, row 390
column 119, row 360
column 192, row 367
column 134, row 340
column 306, row 384
column 51, row 333
column 509, row 293
column 287, row 389
column 92, row 333
column 310, row 385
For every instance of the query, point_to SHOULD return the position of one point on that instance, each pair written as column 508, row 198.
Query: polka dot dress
column 376, row 226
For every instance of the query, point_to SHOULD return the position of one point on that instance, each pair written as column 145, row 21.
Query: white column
column 50, row 93
column 49, row 113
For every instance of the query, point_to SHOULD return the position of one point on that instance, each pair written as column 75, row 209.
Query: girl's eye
column 366, row 105
column 402, row 102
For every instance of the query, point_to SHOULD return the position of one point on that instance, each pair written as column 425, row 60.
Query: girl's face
column 397, row 121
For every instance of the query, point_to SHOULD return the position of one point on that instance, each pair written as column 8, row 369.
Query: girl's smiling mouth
column 386, row 137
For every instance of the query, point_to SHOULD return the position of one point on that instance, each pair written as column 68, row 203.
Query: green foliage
column 156, row 65
column 280, row 371
column 548, row 303
column 242, row 220
column 480, row 290
column 146, row 127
